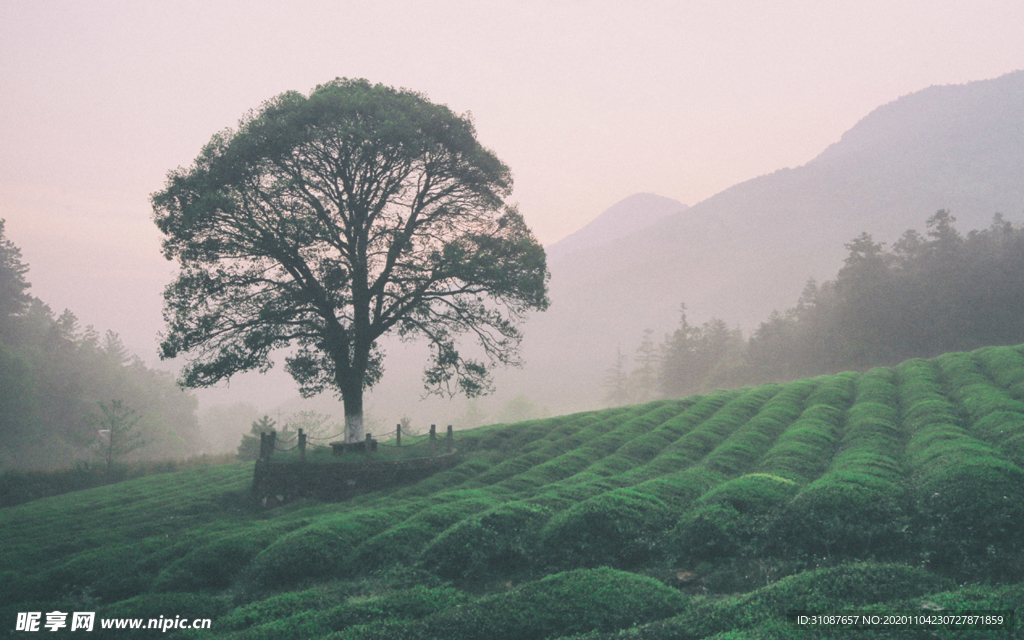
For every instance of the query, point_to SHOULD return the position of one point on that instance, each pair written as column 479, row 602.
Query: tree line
column 927, row 294
column 54, row 375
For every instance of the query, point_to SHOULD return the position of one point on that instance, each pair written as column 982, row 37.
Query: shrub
column 846, row 586
column 755, row 493
column 729, row 521
column 109, row 573
column 618, row 528
column 402, row 543
column 401, row 604
column 495, row 545
column 271, row 609
column 556, row 606
column 843, row 515
column 214, row 565
column 315, row 551
column 971, row 514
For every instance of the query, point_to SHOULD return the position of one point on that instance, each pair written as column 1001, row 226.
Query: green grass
column 699, row 517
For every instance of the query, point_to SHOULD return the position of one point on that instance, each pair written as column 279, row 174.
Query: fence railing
column 269, row 444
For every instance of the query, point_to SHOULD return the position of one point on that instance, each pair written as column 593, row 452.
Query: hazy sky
column 587, row 102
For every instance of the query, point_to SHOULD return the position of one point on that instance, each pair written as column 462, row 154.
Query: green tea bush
column 711, row 432
column 999, row 427
column 273, row 608
column 618, row 528
column 214, row 565
column 621, row 445
column 108, row 573
column 843, row 514
column 1004, row 429
column 729, row 521
column 752, row 493
column 761, row 614
column 876, row 386
column 402, row 543
column 679, row 490
column 404, row 604
column 623, row 527
column 837, row 391
column 649, row 446
column 559, row 605
column 754, row 438
column 319, row 550
column 315, row 614
column 1005, row 366
column 498, row 544
column 804, row 450
column 971, row 514
column 922, row 413
column 710, row 533
column 844, row 587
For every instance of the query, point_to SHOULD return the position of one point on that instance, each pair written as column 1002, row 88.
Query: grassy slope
column 888, row 488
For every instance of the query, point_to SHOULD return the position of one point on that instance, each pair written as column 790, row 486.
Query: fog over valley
column 712, row 157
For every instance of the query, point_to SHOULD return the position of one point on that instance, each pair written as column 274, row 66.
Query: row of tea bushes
column 969, row 498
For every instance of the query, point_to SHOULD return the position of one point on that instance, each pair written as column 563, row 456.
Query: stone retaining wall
column 277, row 482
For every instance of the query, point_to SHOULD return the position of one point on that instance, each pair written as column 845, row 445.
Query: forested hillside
column 53, row 374
column 898, row 488
column 925, row 295
column 751, row 248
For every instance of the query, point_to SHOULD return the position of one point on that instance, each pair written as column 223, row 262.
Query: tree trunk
column 352, row 398
column 353, row 426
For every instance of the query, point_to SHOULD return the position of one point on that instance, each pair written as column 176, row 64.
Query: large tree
column 325, row 222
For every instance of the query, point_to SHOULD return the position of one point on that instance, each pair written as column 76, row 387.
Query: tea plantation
column 705, row 517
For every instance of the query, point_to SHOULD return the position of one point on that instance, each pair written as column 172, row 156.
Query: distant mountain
column 624, row 218
column 750, row 249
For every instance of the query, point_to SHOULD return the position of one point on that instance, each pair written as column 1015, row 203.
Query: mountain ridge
column 750, row 249
column 630, row 215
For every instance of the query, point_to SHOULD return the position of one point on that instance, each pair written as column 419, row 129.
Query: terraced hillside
column 895, row 488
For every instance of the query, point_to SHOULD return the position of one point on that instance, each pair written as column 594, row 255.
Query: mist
column 712, row 156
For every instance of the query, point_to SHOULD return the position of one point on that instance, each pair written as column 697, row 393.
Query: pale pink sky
column 588, row 102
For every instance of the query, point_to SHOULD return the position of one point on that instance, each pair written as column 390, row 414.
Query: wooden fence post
column 369, row 439
column 267, row 445
column 302, row 447
column 433, row 438
column 451, row 440
column 398, row 431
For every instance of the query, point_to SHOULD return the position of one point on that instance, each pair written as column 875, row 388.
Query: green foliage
column 403, row 543
column 844, row 514
column 18, row 487
column 852, row 586
column 715, row 494
column 729, row 521
column 216, row 564
column 118, row 428
column 925, row 296
column 325, row 548
column 421, row 244
column 971, row 518
column 496, row 545
column 616, row 528
column 558, row 605
column 753, row 493
column 273, row 608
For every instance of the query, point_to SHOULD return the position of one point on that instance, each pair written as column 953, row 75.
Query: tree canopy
column 327, row 221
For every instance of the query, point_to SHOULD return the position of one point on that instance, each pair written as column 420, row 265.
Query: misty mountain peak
column 624, row 218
